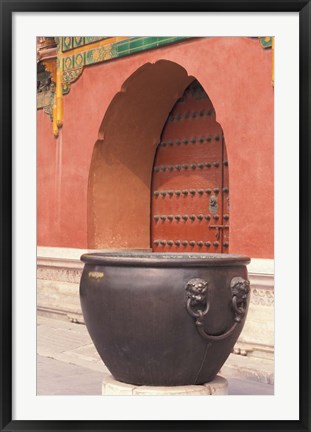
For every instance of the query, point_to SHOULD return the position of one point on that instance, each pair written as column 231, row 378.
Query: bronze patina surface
column 164, row 319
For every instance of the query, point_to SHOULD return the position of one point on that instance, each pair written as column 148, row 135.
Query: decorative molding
column 263, row 296
column 59, row 274
column 68, row 268
column 72, row 54
column 78, row 52
column 70, row 43
column 69, row 55
column 69, row 77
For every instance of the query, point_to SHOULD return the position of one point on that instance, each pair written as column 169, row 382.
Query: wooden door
column 190, row 185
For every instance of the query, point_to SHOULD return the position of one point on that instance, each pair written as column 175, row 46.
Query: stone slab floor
column 68, row 364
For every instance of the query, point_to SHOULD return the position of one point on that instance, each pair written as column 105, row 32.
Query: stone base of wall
column 58, row 276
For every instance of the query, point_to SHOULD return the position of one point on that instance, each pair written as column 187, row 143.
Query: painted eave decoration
column 62, row 60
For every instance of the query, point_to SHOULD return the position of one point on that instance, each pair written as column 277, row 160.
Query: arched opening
column 190, row 184
column 120, row 177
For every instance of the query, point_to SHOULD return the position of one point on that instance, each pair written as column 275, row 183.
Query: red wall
column 236, row 74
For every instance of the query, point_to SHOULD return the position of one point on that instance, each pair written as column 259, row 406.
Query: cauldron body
column 163, row 319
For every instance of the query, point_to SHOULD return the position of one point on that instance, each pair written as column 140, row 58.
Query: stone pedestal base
column 112, row 387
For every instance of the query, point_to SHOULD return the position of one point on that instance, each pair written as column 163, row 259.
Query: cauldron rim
column 164, row 259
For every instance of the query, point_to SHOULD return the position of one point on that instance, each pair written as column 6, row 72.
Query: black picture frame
column 7, row 10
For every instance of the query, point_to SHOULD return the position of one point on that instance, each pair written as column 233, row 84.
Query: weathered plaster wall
column 235, row 73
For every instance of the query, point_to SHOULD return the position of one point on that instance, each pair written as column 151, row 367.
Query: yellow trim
column 59, row 99
column 55, row 127
column 58, row 113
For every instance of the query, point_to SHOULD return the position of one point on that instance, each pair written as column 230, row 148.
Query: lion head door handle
column 197, row 304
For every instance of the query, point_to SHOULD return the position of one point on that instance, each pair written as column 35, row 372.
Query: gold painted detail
column 74, row 56
column 96, row 275
column 75, row 53
column 69, row 77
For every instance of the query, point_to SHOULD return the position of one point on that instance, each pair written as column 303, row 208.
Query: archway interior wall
column 120, row 173
column 236, row 74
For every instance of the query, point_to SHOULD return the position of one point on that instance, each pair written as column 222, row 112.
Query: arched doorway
column 121, row 167
column 190, row 183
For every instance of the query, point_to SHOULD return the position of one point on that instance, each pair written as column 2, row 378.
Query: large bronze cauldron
column 164, row 319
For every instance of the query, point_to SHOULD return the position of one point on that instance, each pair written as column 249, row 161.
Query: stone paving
column 68, row 364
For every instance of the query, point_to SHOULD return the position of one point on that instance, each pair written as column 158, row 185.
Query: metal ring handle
column 197, row 304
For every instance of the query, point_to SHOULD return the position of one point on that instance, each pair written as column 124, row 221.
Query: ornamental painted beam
column 66, row 57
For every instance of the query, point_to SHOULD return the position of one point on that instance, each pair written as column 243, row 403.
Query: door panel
column 190, row 179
